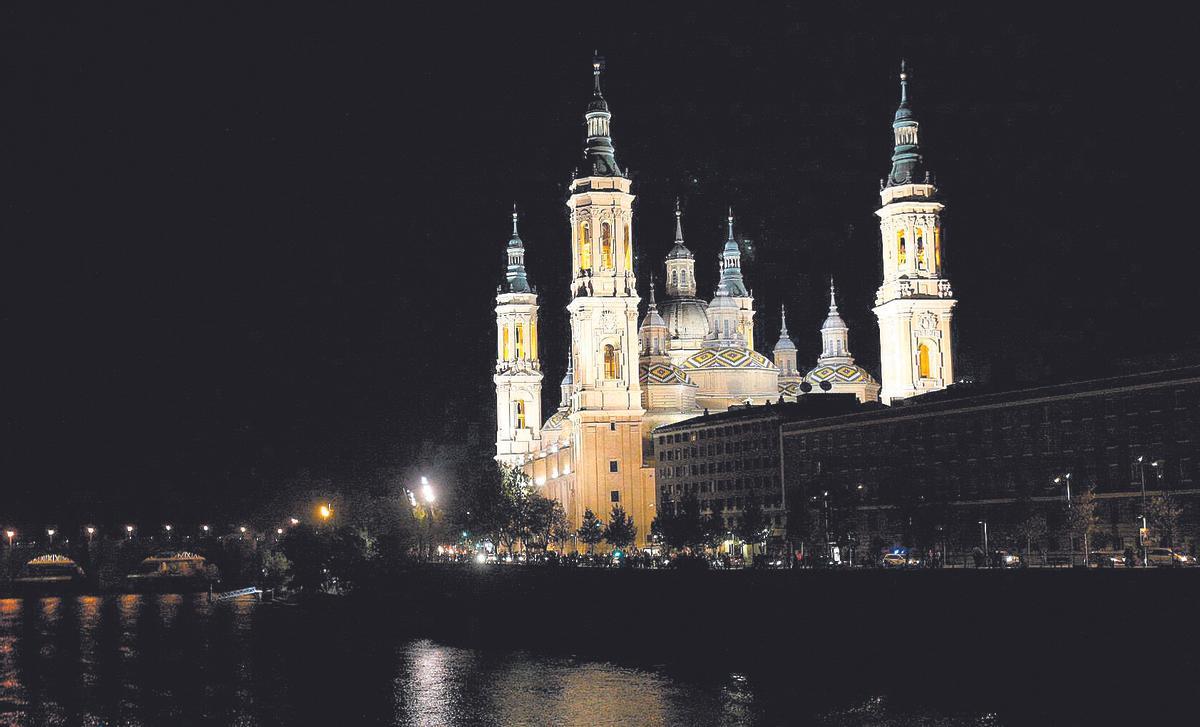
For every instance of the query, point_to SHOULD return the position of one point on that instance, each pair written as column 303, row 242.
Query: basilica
column 688, row 355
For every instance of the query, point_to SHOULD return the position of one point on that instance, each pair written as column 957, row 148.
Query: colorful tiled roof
column 727, row 358
column 663, row 373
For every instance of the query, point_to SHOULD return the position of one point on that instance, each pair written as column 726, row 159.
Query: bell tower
column 518, row 376
column 606, row 400
column 915, row 303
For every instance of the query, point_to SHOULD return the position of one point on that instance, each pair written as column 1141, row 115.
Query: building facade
column 929, row 473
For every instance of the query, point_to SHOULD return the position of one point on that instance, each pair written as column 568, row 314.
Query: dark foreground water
column 178, row 660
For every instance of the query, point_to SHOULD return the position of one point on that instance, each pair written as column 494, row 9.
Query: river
column 179, row 660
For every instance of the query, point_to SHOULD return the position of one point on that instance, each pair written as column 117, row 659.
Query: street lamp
column 325, row 511
column 1070, row 534
column 10, row 534
column 167, row 527
column 1141, row 465
column 294, row 521
column 204, row 529
column 428, row 496
column 129, row 531
column 242, row 530
column 50, row 534
column 985, row 539
column 90, row 532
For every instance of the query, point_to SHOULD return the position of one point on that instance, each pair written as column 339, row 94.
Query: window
column 585, row 246
column 612, row 426
column 937, row 247
column 901, row 248
column 611, row 369
column 504, row 349
column 674, row 278
column 520, row 415
column 615, row 495
column 606, row 253
column 628, row 249
column 923, row 368
column 920, row 249
column 520, row 341
column 612, row 467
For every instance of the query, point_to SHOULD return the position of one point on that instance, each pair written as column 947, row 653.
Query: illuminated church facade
column 688, row 355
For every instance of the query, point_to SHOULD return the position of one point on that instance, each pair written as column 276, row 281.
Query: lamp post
column 428, row 496
column 50, row 536
column 1141, row 465
column 90, row 532
column 129, row 531
column 9, row 534
column 1070, row 533
column 204, row 529
column 986, row 556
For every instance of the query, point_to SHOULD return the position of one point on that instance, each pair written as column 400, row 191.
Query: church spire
column 785, row 340
column 835, row 335
column 599, row 150
column 731, row 265
column 907, row 167
column 517, row 282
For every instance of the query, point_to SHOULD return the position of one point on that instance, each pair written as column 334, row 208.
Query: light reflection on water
column 177, row 659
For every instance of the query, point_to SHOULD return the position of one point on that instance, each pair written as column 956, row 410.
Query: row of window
column 606, row 247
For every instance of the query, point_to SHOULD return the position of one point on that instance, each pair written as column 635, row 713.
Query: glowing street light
column 325, row 511
column 204, row 529
column 90, row 532
column 50, row 533
column 279, row 531
column 167, row 527
column 427, row 493
column 294, row 521
column 242, row 529
column 10, row 534
column 129, row 531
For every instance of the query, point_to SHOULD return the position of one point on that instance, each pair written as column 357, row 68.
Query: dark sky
column 250, row 246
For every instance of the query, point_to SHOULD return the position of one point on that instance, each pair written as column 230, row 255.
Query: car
column 1168, row 557
column 1005, row 559
column 1107, row 559
column 900, row 560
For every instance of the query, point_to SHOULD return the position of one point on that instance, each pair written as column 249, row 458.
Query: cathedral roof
column 907, row 166
column 845, row 373
column 792, row 388
column 679, row 251
column 663, row 372
column 686, row 317
column 785, row 341
column 730, row 357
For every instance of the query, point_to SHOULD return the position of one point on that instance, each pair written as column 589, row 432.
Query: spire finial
column 903, row 82
column 783, row 321
column 678, row 222
column 514, row 219
column 597, row 67
column 832, row 298
column 730, row 218
column 653, row 303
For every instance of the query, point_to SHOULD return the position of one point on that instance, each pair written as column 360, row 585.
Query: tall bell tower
column 915, row 303
column 606, row 402
column 518, row 376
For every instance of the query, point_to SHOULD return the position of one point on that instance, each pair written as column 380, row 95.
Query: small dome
column 727, row 358
column 685, row 317
column 846, row 373
column 663, row 373
column 680, row 252
column 555, row 422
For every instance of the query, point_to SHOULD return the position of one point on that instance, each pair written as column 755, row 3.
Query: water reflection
column 177, row 659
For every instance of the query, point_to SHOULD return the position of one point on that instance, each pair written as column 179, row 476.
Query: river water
column 179, row 660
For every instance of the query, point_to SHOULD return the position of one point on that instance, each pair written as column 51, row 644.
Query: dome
column 790, row 389
column 555, row 422
column 685, row 317
column 727, row 358
column 846, row 373
column 663, row 373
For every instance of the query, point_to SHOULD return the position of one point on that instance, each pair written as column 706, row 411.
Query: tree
column 752, row 528
column 591, row 531
column 560, row 527
column 275, row 567
column 307, row 551
column 537, row 520
column 1029, row 528
column 1163, row 513
column 712, row 531
column 621, row 530
column 1082, row 520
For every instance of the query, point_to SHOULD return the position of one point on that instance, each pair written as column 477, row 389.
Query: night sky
column 252, row 248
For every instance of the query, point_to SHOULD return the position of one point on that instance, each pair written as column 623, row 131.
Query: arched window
column 611, row 369
column 606, row 253
column 675, row 278
column 920, row 249
column 628, row 249
column 901, row 248
column 520, row 417
column 923, row 368
column 533, row 340
column 937, row 247
column 585, row 246
column 520, row 340
column 504, row 349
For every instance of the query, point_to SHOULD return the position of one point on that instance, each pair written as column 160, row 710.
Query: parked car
column 1107, row 559
column 900, row 560
column 1005, row 559
column 1168, row 557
